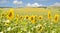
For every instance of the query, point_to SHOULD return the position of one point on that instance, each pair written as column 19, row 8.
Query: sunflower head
column 40, row 17
column 21, row 17
column 56, row 17
column 26, row 17
column 2, row 15
column 10, row 14
column 32, row 18
column 33, row 21
column 49, row 15
column 40, row 28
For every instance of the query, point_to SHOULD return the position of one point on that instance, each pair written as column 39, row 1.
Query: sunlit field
column 30, row 20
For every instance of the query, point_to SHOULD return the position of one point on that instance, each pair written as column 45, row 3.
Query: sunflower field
column 29, row 20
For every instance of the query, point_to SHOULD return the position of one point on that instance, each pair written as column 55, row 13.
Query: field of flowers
column 29, row 20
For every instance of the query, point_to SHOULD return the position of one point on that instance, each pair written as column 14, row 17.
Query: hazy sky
column 28, row 3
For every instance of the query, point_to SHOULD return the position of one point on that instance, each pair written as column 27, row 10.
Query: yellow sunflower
column 40, row 28
column 56, row 17
column 10, row 14
column 33, row 21
column 32, row 18
column 21, row 18
column 40, row 17
column 49, row 15
column 26, row 17
column 2, row 15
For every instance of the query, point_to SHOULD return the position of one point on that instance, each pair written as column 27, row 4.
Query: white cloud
column 56, row 4
column 34, row 5
column 17, row 2
column 29, row 5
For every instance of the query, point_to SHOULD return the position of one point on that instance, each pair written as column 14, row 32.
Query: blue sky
column 24, row 3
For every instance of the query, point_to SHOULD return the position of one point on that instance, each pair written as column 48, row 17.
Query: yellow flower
column 11, row 14
column 49, row 15
column 33, row 21
column 40, row 28
column 56, row 17
column 26, row 17
column 2, row 15
column 21, row 18
column 32, row 18
column 41, row 17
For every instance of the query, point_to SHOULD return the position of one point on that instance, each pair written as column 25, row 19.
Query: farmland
column 30, row 20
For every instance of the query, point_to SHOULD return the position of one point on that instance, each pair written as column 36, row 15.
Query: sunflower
column 2, row 15
column 49, row 15
column 21, row 18
column 32, row 18
column 56, row 17
column 26, row 17
column 40, row 28
column 33, row 21
column 10, row 14
column 40, row 17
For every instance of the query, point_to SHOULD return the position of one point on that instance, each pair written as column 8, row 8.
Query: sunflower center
column 10, row 14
